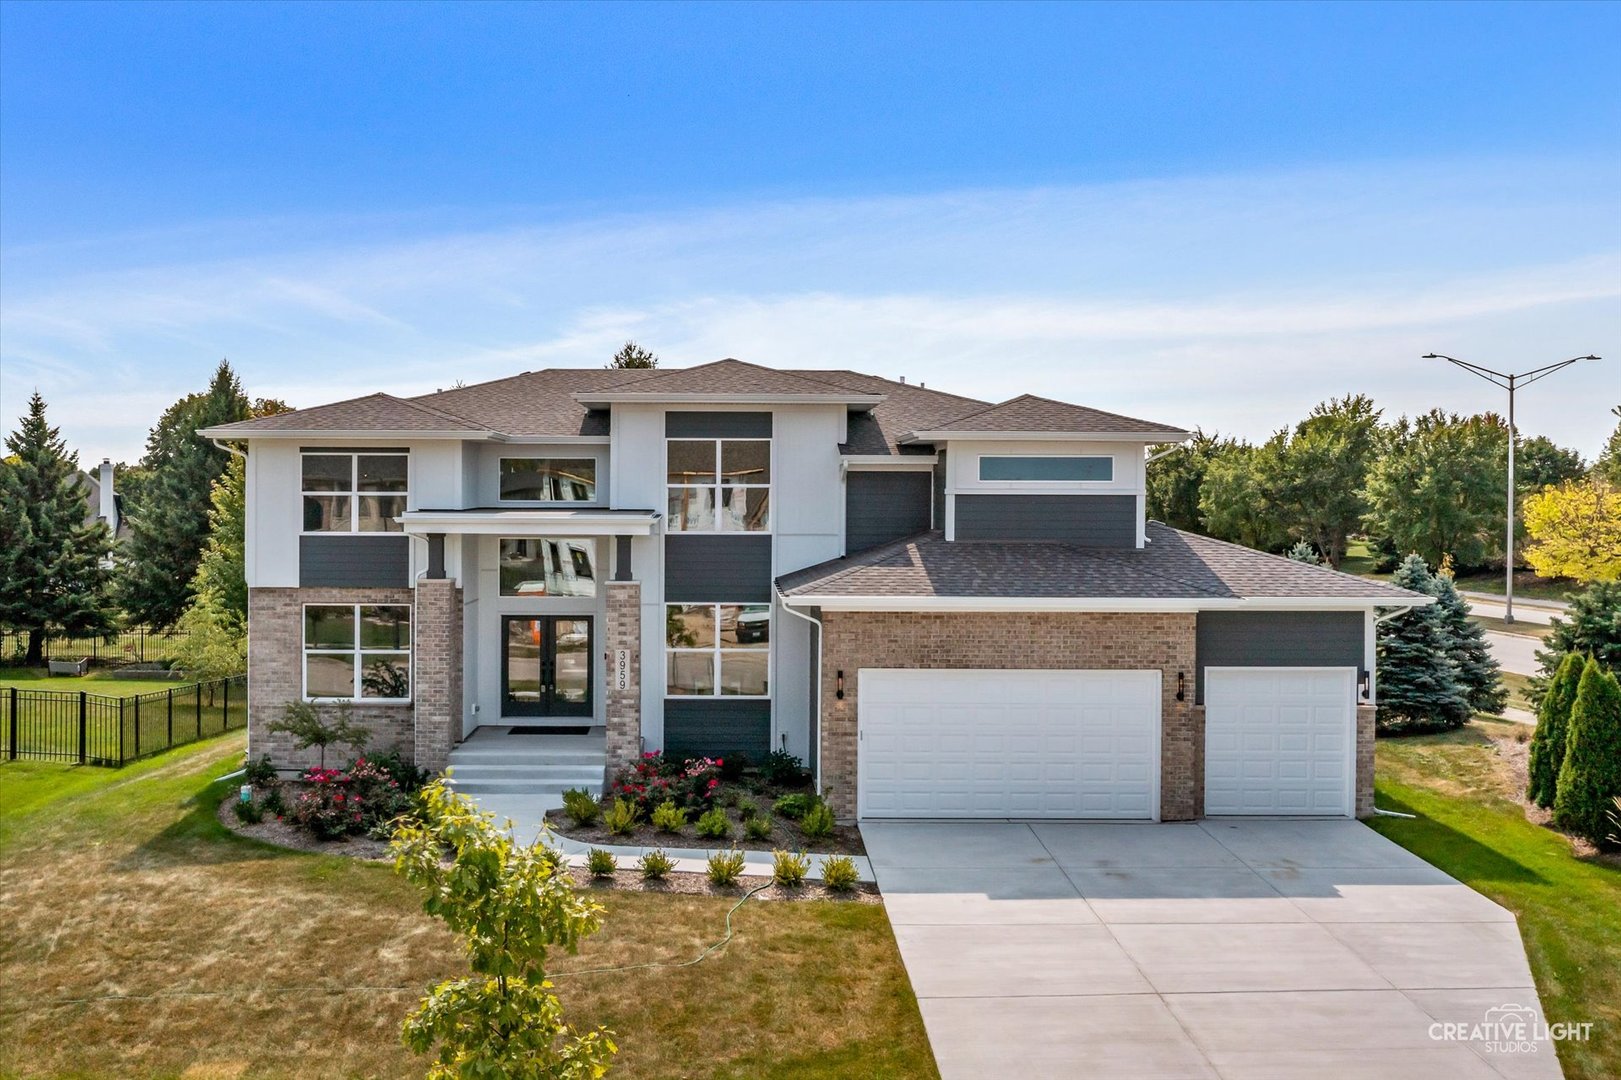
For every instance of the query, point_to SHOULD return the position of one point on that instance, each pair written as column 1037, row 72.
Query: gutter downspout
column 243, row 454
column 1165, row 453
column 783, row 602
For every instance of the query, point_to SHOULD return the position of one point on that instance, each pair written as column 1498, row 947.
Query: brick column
column 437, row 652
column 1364, row 760
column 623, row 631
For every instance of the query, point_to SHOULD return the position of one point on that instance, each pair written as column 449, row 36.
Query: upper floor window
column 548, row 480
column 1046, row 469
column 360, row 492
column 357, row 652
column 719, row 485
column 536, row 566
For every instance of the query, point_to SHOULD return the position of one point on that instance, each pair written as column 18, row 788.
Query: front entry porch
column 522, row 772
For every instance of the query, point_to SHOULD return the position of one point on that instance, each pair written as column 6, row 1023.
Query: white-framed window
column 1046, row 468
column 548, row 479
column 717, row 650
column 540, row 566
column 357, row 652
column 719, row 485
column 360, row 491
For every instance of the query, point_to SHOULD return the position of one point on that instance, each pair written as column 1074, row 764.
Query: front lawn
column 142, row 938
column 97, row 682
column 1464, row 785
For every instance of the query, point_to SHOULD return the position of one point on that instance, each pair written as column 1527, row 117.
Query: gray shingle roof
column 723, row 377
column 1028, row 412
column 1174, row 566
column 374, row 412
column 906, row 408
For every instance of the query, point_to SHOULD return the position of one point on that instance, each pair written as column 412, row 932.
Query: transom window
column 1061, row 469
column 357, row 652
column 717, row 650
column 537, row 566
column 548, row 480
column 719, row 485
column 357, row 492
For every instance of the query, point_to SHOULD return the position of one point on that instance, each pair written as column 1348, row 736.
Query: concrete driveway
column 1225, row 948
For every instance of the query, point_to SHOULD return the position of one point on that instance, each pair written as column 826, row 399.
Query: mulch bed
column 274, row 831
column 1515, row 752
column 785, row 836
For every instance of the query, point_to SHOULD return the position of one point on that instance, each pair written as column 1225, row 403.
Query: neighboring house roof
column 1032, row 414
column 1174, row 566
column 372, row 413
column 727, row 379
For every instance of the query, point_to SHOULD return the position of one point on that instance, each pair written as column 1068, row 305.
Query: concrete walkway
column 1226, row 948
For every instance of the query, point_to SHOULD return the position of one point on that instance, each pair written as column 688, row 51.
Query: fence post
column 171, row 716
column 11, row 732
column 84, row 726
column 136, row 701
column 225, row 706
column 197, row 700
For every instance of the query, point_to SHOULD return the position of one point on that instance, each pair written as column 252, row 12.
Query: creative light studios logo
column 1510, row 1029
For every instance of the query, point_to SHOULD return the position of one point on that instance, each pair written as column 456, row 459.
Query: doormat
column 549, row 731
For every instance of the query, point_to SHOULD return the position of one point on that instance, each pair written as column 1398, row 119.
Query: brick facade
column 437, row 655
column 1113, row 640
column 622, row 629
column 1364, row 760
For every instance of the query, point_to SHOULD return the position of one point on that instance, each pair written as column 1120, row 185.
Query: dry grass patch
column 160, row 944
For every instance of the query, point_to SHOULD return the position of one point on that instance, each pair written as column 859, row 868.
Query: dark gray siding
column 1086, row 520
column 346, row 560
column 1277, row 639
column 717, row 425
column 732, row 568
column 716, row 727
column 940, row 492
column 884, row 506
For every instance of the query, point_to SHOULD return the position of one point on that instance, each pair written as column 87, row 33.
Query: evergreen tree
column 632, row 355
column 1304, row 552
column 1592, row 625
column 1591, row 774
column 1608, row 465
column 221, row 581
column 1553, row 724
column 1477, row 670
column 170, row 525
column 52, row 581
column 1418, row 684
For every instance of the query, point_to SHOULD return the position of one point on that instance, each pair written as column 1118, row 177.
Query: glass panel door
column 546, row 666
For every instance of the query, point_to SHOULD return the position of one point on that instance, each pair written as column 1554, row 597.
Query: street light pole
column 1510, row 383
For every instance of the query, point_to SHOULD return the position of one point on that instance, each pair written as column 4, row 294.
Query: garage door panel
column 1277, row 740
column 1038, row 743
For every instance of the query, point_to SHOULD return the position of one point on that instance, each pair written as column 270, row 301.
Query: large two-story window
column 538, row 566
column 357, row 652
column 548, row 480
column 719, row 485
column 717, row 650
column 359, row 492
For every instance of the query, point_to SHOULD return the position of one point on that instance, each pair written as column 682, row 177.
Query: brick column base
column 623, row 632
column 437, row 651
column 1364, row 759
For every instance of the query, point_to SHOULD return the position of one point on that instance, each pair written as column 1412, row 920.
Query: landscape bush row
column 724, row 868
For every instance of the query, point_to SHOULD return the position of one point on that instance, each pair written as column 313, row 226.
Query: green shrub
column 247, row 812
column 757, row 828
column 274, row 803
column 817, row 824
column 1591, row 774
column 732, row 767
column 655, row 865
column 621, row 818
column 601, row 863
column 782, row 769
column 304, row 722
column 795, row 806
column 581, row 806
column 714, row 824
column 747, row 808
column 260, row 773
column 669, row 818
column 402, row 770
column 788, row 869
column 1553, row 722
column 725, row 867
column 839, row 873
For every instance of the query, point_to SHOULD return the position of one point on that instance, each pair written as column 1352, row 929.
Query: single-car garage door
column 956, row 743
column 1279, row 740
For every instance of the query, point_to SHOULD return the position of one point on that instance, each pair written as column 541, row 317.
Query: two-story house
column 945, row 607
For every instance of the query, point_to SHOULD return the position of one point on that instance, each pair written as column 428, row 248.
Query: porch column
column 437, row 652
column 623, row 634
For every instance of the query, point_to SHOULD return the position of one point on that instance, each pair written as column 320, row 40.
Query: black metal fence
column 134, row 646
column 94, row 729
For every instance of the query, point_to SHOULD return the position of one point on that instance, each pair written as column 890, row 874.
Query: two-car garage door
column 964, row 743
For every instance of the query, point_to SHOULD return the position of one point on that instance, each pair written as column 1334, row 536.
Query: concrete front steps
column 496, row 767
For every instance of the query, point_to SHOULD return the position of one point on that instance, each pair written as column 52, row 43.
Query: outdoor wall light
column 1181, row 686
column 838, row 691
column 1363, row 686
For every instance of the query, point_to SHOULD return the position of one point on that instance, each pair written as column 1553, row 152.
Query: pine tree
column 1591, row 774
column 221, row 581
column 632, row 355
column 1304, row 552
column 52, row 581
column 1553, row 725
column 1591, row 625
column 170, row 524
column 1477, row 670
column 1418, row 684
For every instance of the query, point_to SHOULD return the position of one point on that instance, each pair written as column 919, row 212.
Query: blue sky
column 1206, row 214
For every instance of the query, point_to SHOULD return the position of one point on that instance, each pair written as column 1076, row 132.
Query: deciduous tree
column 1439, row 488
column 1176, row 480
column 1539, row 462
column 1575, row 531
column 1608, row 465
column 1235, row 503
column 1315, row 476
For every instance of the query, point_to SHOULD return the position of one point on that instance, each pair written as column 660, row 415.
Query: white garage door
column 1279, row 740
column 1038, row 744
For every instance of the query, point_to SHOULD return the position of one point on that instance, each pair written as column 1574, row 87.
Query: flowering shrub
column 654, row 780
column 346, row 802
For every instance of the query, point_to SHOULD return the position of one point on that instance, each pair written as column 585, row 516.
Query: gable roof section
column 725, row 379
column 1028, row 413
column 1177, row 568
column 372, row 413
column 906, row 407
column 537, row 403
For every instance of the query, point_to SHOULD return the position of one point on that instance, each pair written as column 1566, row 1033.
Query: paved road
column 1516, row 652
column 1522, row 613
column 1248, row 948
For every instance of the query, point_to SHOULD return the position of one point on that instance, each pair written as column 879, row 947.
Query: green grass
column 143, row 939
column 1526, row 584
column 1518, row 688
column 1360, row 559
column 95, row 683
column 1569, row 909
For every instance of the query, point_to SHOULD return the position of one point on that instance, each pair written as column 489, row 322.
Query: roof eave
column 231, row 431
column 859, row 402
column 946, row 604
column 948, row 434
